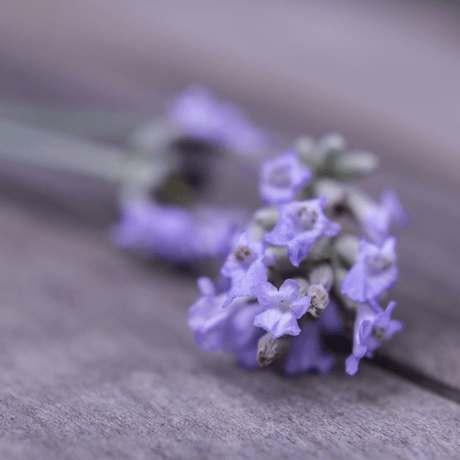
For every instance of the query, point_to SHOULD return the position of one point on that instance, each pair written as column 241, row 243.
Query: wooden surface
column 96, row 360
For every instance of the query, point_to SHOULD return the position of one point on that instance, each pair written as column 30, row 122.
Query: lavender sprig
column 307, row 276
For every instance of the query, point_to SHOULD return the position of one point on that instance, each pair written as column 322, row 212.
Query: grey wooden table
column 96, row 360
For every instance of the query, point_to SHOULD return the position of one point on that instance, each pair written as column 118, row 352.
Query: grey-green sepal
column 303, row 284
column 321, row 249
column 138, row 175
column 334, row 191
column 322, row 274
column 360, row 203
column 267, row 217
column 346, row 246
column 154, row 137
column 269, row 349
column 316, row 154
column 319, row 299
column 280, row 258
column 352, row 165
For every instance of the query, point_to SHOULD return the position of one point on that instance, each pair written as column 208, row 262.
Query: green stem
column 33, row 146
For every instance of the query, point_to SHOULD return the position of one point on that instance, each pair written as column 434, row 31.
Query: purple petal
column 351, row 365
column 300, row 306
column 290, row 290
column 277, row 323
column 206, row 286
column 299, row 247
column 307, row 353
column 354, row 283
column 267, row 295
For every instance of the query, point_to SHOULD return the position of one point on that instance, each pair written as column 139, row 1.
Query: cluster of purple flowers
column 293, row 276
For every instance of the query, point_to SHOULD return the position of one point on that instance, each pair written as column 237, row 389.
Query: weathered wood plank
column 96, row 361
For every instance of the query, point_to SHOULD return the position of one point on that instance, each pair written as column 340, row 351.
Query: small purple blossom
column 307, row 350
column 374, row 271
column 246, row 267
column 376, row 225
column 203, row 116
column 372, row 325
column 206, row 317
column 301, row 223
column 228, row 329
column 174, row 233
column 282, row 177
column 282, row 308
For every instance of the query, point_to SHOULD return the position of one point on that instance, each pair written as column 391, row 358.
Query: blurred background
column 383, row 73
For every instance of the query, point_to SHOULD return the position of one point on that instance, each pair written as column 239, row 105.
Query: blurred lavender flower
column 374, row 271
column 175, row 233
column 282, row 308
column 372, row 325
column 376, row 225
column 246, row 267
column 282, row 177
column 228, row 329
column 301, row 224
column 307, row 350
column 203, row 116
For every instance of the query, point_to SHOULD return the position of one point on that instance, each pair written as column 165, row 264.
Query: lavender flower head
column 202, row 116
column 294, row 276
column 282, row 177
column 301, row 223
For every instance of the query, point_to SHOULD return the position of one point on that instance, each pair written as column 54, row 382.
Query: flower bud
column 319, row 299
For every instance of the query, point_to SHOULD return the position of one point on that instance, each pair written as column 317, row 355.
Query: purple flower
column 241, row 336
column 301, row 224
column 281, row 178
column 372, row 325
column 246, row 267
column 282, row 308
column 307, row 350
column 206, row 317
column 374, row 271
column 174, row 233
column 376, row 224
column 228, row 329
column 203, row 116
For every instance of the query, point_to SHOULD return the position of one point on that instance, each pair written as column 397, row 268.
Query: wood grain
column 97, row 362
